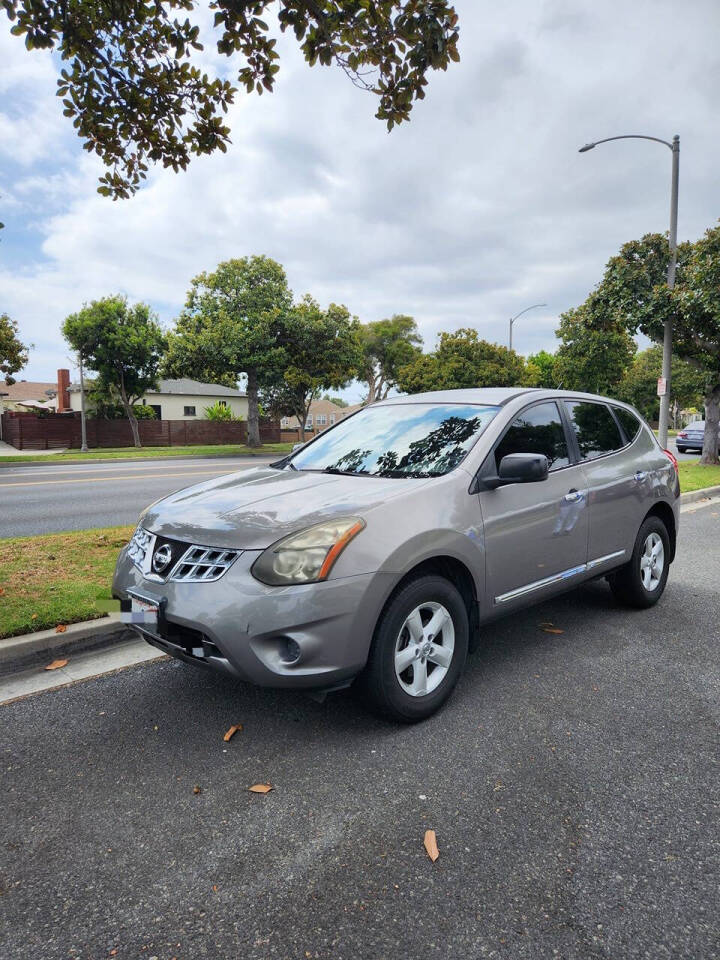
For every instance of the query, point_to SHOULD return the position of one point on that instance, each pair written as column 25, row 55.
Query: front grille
column 203, row 564
column 188, row 563
column 138, row 547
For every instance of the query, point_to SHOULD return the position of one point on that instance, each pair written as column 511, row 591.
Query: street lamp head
column 588, row 146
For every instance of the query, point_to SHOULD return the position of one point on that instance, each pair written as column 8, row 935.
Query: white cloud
column 478, row 207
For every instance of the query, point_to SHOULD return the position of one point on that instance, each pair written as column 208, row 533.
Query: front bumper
column 251, row 631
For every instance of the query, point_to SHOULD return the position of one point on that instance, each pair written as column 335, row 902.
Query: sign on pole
column 662, row 386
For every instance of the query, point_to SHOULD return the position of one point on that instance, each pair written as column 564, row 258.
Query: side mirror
column 523, row 468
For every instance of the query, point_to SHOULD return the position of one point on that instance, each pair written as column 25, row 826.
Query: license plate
column 139, row 611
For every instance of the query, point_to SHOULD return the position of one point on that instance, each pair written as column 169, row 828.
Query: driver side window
column 537, row 430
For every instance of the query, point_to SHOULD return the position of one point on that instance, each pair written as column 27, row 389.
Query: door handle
column 573, row 496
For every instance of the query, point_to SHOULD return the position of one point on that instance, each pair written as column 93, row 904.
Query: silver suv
column 383, row 547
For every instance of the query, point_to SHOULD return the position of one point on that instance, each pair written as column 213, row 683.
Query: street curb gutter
column 707, row 493
column 36, row 649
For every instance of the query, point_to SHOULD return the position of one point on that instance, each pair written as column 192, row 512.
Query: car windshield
column 398, row 440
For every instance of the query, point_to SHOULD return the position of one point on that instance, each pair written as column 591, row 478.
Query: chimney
column 63, row 392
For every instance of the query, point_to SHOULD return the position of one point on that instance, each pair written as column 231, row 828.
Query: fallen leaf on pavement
column 56, row 664
column 60, row 628
column 431, row 845
column 197, row 789
column 260, row 788
column 552, row 630
column 232, row 731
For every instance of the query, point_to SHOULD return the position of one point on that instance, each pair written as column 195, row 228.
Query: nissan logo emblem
column 162, row 557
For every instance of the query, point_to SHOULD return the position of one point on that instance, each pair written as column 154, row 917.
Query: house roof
column 184, row 387
column 26, row 390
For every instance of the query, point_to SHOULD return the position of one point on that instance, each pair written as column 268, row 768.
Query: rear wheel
column 682, row 449
column 418, row 650
column 641, row 582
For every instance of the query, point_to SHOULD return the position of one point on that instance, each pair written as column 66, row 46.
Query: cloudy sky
column 478, row 207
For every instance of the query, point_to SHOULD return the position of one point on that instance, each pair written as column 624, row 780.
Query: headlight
column 307, row 556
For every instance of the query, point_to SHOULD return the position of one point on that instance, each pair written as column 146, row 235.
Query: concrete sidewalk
column 7, row 450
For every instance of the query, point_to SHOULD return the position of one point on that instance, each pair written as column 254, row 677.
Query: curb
column 34, row 649
column 210, row 456
column 706, row 493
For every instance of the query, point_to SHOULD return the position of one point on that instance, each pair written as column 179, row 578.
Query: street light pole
column 83, row 433
column 668, row 327
column 513, row 319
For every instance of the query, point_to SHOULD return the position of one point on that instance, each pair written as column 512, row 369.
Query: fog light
column 289, row 650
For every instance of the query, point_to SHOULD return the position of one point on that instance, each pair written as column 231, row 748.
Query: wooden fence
column 25, row 431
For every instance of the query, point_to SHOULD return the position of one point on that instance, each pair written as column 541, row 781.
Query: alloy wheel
column 424, row 649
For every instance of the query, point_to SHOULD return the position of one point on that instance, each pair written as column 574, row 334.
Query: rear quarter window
column 629, row 422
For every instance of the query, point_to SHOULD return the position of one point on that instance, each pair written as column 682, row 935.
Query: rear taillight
column 682, row 434
column 672, row 458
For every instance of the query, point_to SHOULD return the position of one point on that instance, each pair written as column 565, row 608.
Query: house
column 24, row 394
column 181, row 399
column 323, row 414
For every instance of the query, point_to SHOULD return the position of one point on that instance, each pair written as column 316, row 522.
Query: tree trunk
column 301, row 431
column 253, row 424
column 132, row 419
column 712, row 427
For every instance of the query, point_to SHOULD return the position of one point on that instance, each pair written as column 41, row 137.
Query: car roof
column 488, row 396
column 493, row 396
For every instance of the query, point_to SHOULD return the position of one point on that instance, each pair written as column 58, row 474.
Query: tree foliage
column 123, row 344
column 634, row 293
column 134, row 81
column 322, row 351
column 387, row 346
column 462, row 359
column 13, row 352
column 639, row 385
column 590, row 357
column 231, row 325
column 541, row 367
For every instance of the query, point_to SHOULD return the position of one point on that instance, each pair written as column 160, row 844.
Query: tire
column 388, row 688
column 681, row 449
column 637, row 584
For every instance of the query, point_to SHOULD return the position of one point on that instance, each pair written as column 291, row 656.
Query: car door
column 618, row 478
column 535, row 533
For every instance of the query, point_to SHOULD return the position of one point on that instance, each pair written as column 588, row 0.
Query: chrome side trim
column 606, row 558
column 539, row 584
column 557, row 578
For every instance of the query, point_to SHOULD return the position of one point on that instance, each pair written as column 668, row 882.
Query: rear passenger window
column 629, row 422
column 595, row 429
column 537, row 430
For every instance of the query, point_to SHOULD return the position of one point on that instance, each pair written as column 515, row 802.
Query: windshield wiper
column 281, row 464
column 346, row 473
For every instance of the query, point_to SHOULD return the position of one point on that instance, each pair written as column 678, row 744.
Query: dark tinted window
column 628, row 421
column 538, row 430
column 595, row 428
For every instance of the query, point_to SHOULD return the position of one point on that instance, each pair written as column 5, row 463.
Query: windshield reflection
column 398, row 440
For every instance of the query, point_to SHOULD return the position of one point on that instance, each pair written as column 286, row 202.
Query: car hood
column 254, row 508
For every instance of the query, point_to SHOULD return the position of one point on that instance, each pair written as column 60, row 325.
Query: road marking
column 104, row 468
column 148, row 476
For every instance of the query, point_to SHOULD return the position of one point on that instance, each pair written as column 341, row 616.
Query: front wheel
column 418, row 650
column 641, row 582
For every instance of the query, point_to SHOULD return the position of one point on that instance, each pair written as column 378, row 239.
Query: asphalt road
column 49, row 497
column 572, row 782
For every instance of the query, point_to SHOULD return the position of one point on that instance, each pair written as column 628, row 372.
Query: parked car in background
column 380, row 549
column 691, row 437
